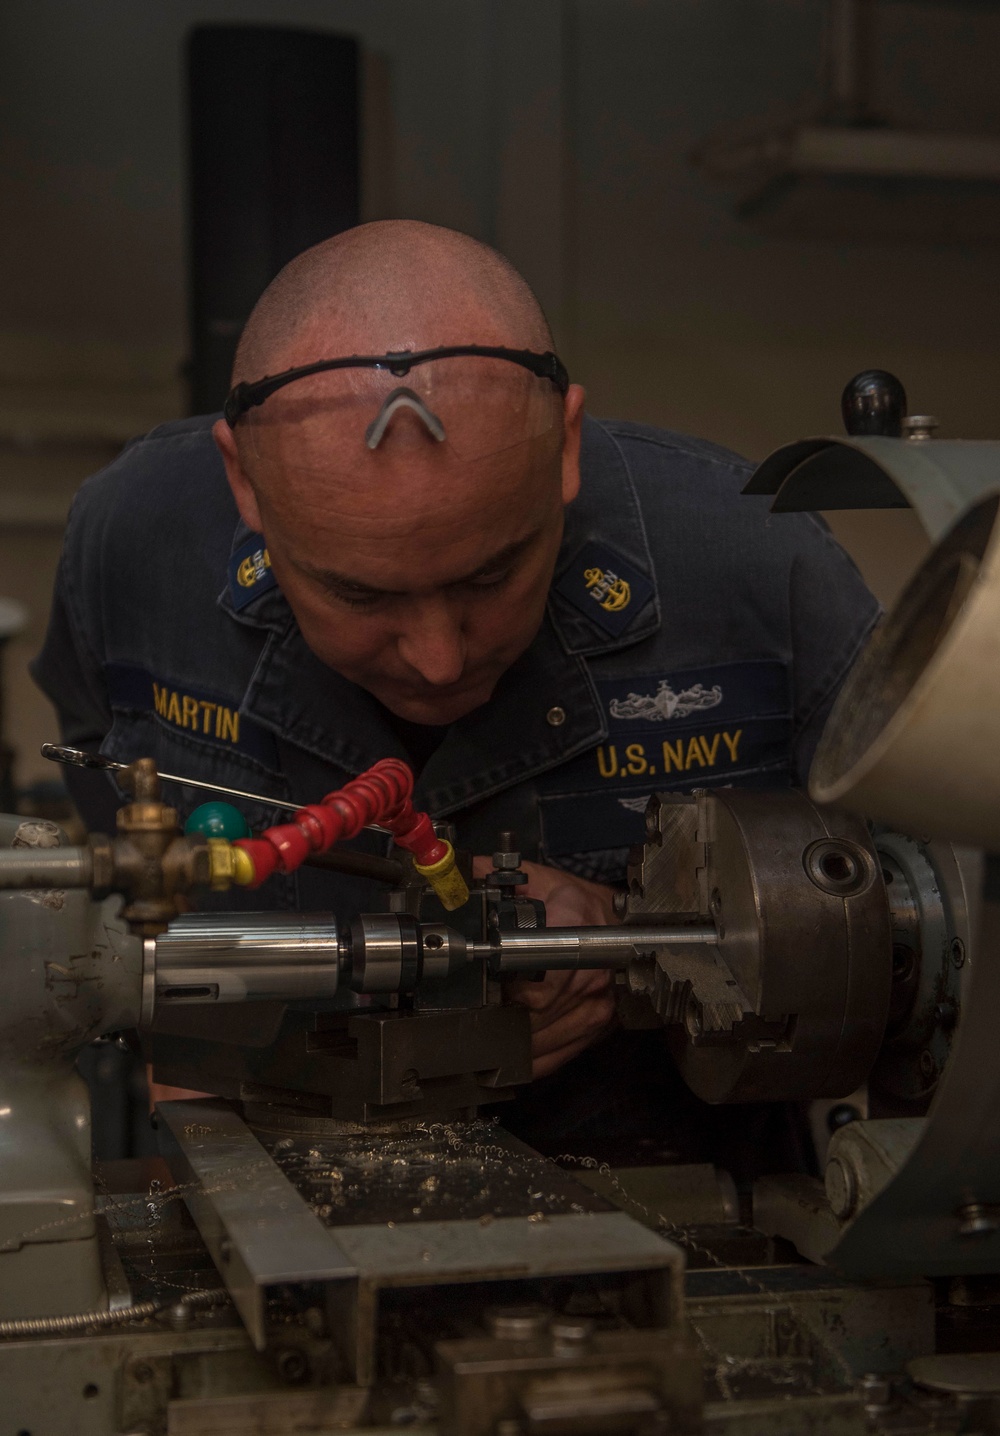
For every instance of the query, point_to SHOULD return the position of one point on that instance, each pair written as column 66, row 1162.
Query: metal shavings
column 682, row 1235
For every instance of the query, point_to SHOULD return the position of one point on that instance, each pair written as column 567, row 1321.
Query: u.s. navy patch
column 208, row 716
column 605, row 587
column 250, row 572
column 721, row 724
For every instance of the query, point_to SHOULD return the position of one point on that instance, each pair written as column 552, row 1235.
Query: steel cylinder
column 209, row 957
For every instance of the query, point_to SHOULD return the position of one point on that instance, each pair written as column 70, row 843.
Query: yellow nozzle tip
column 446, row 880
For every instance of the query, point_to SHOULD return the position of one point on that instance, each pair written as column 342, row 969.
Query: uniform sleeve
column 832, row 614
column 70, row 675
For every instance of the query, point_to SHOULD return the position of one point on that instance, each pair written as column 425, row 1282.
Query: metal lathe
column 337, row 1241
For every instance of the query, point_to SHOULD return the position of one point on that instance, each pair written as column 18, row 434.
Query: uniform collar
column 545, row 710
column 269, row 609
column 603, row 525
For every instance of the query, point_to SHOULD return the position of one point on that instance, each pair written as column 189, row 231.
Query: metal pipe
column 46, row 867
column 250, row 957
column 361, row 865
column 554, row 948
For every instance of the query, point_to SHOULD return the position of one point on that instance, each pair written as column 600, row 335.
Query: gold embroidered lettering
column 227, row 725
column 607, row 764
column 636, row 755
column 709, row 749
column 673, row 755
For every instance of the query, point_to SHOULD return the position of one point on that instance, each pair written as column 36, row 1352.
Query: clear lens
column 319, row 423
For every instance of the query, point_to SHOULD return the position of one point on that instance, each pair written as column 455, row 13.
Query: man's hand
column 162, row 1092
column 569, row 1010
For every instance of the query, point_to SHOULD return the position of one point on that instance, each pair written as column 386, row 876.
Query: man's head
column 418, row 568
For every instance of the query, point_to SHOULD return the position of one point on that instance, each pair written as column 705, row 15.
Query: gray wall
column 559, row 130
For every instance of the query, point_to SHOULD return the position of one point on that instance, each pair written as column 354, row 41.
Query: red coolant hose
column 382, row 795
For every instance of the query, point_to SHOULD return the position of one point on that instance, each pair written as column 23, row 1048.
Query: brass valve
column 150, row 860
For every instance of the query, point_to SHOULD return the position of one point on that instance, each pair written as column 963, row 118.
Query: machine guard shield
column 938, row 479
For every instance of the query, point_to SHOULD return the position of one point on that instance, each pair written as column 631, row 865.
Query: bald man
column 439, row 556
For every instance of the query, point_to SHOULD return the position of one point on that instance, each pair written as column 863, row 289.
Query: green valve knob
column 218, row 820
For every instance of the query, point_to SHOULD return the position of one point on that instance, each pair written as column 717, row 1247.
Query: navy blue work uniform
column 691, row 639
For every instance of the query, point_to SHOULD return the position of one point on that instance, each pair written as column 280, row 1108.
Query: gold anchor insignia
column 251, row 570
column 619, row 596
column 610, row 591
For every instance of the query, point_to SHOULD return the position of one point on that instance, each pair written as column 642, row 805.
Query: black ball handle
column 874, row 402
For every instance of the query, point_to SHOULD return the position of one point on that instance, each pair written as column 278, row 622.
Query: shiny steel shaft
column 225, row 957
column 554, row 948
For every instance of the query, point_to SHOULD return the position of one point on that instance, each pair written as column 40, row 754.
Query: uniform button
column 555, row 717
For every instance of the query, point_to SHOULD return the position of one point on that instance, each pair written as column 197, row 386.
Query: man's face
column 419, row 573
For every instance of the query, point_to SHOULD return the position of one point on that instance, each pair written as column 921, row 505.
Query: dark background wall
column 559, row 130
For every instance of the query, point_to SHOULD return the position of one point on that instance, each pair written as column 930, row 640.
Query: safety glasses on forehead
column 244, row 397
column 466, row 401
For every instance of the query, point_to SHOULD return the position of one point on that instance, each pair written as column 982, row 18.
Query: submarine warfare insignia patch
column 605, row 587
column 250, row 572
column 665, row 704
